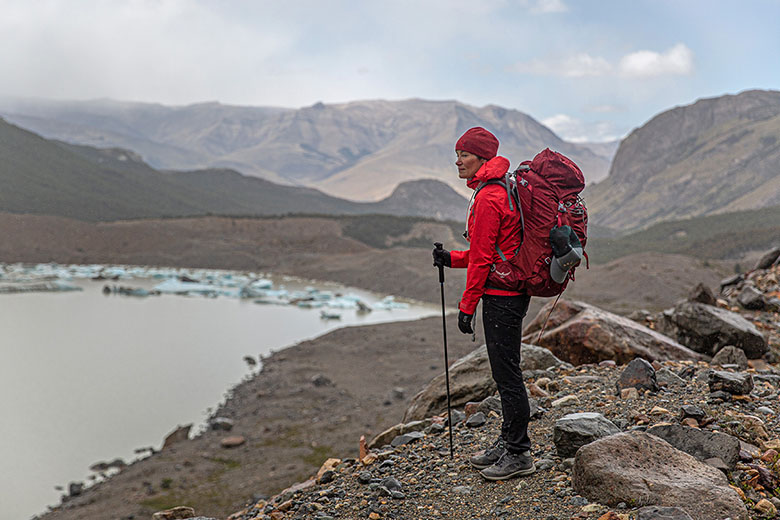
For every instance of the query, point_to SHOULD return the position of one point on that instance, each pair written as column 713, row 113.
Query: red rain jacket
column 490, row 224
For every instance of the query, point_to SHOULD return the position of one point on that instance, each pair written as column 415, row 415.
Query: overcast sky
column 589, row 69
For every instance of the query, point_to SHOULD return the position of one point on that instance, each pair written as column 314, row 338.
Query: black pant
column 502, row 319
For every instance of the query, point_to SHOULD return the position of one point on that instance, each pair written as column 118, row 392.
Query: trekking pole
column 438, row 245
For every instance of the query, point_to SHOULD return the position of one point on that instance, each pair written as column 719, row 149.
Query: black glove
column 464, row 322
column 560, row 240
column 441, row 257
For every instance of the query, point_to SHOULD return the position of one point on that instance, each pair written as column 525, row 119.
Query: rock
column 399, row 429
column 534, row 357
column 391, row 483
column 180, row 434
column 642, row 469
column 75, row 489
column 693, row 411
column 702, row 294
column 462, row 490
column 701, row 444
column 321, row 380
column 470, row 380
column 176, row 513
column 736, row 383
column 457, row 417
column 766, row 508
column 578, row 429
column 567, row 400
column 638, row 374
column 666, row 377
column 731, row 355
column 629, row 393
column 751, row 299
column 490, row 404
column 662, row 513
column 752, row 429
column 406, row 438
column 232, row 442
column 706, row 329
column 476, row 420
column 768, row 259
column 328, row 465
column 581, row 333
column 731, row 280
column 221, row 423
column 364, row 477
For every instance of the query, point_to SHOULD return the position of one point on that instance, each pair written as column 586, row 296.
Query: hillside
column 52, row 178
column 360, row 150
column 717, row 155
column 727, row 236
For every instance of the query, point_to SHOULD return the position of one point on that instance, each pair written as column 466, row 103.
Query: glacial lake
column 88, row 377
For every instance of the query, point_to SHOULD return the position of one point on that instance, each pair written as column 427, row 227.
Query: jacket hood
column 495, row 168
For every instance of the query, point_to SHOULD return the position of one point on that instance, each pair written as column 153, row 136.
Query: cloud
column 549, row 6
column 677, row 61
column 577, row 66
column 578, row 131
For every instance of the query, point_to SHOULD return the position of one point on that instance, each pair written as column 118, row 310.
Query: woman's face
column 468, row 164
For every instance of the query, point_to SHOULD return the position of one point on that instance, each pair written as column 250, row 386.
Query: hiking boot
column 489, row 456
column 510, row 465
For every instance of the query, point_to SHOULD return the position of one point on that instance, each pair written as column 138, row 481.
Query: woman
column 491, row 224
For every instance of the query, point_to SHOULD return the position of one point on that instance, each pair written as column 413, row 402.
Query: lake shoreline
column 312, row 400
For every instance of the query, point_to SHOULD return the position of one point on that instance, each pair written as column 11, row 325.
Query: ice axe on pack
column 440, row 265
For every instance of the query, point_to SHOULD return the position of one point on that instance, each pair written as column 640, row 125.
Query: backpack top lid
column 559, row 170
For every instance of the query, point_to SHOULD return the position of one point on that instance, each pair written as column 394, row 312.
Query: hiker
column 491, row 224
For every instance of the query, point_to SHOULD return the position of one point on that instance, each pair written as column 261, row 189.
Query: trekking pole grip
column 440, row 246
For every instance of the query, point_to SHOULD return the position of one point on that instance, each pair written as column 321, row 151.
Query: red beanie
column 478, row 141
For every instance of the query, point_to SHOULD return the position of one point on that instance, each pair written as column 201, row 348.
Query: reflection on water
column 88, row 377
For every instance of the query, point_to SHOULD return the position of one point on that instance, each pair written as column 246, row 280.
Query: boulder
column 581, row 333
column 701, row 444
column 735, row 383
column 399, row 429
column 769, row 259
column 640, row 469
column 706, row 329
column 176, row 513
column 638, row 374
column 662, row 513
column 731, row 355
column 180, row 434
column 575, row 430
column 471, row 380
column 538, row 358
column 490, row 404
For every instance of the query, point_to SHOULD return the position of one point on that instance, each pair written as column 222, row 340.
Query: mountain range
column 359, row 151
column 715, row 156
column 45, row 177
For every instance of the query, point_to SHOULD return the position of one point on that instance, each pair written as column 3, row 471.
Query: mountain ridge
column 713, row 156
column 359, row 150
column 47, row 177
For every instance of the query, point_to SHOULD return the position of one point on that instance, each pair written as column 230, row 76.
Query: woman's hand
column 441, row 257
column 464, row 322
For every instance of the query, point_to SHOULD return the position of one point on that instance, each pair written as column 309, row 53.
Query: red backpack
column 546, row 192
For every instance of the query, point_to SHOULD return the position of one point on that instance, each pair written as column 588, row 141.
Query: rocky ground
column 290, row 420
column 415, row 477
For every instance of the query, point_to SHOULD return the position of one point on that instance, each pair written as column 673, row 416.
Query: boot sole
column 518, row 473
